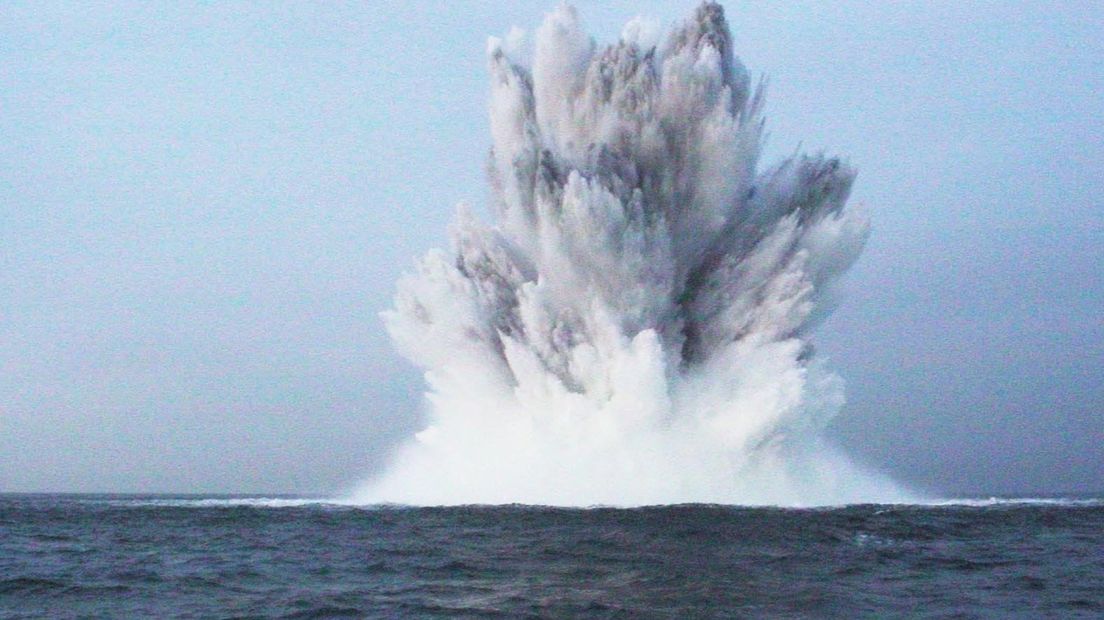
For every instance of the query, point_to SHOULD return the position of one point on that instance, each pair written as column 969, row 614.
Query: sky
column 204, row 207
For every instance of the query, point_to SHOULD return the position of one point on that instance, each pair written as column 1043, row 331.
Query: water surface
column 218, row 557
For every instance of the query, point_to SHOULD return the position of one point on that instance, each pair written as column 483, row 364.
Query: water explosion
column 633, row 328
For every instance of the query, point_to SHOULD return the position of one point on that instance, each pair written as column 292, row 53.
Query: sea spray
column 633, row 326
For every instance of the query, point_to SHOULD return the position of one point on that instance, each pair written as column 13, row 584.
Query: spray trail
column 632, row 329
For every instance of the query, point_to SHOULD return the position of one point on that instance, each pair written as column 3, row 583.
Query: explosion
column 633, row 327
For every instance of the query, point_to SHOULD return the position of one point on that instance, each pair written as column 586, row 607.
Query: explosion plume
column 633, row 328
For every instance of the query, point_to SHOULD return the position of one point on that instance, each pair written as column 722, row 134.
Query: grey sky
column 203, row 207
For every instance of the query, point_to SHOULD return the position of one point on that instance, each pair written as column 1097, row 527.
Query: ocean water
column 65, row 556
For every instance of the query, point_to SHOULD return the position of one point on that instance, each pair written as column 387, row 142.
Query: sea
column 113, row 556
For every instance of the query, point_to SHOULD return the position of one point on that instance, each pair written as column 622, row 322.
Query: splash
column 633, row 328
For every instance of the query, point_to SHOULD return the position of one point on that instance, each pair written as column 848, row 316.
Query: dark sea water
column 188, row 557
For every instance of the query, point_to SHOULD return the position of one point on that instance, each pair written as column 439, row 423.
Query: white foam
column 209, row 502
column 1016, row 501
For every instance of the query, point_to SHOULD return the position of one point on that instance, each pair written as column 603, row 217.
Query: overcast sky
column 203, row 207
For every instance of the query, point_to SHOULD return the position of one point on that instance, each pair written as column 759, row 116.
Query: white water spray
column 632, row 329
